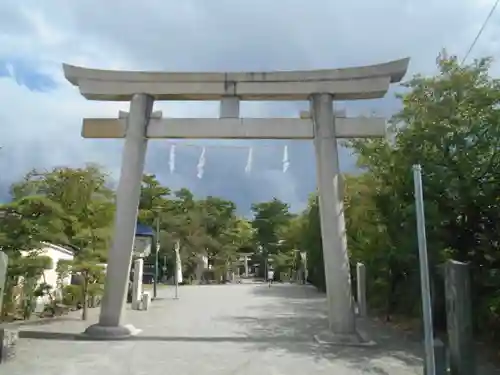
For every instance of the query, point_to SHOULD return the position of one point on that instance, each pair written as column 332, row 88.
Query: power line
column 481, row 30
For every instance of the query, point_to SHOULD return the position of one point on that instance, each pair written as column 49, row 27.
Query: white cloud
column 43, row 129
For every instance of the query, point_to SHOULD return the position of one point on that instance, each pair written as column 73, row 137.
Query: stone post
column 110, row 323
column 439, row 358
column 4, row 260
column 145, row 301
column 459, row 320
column 9, row 336
column 361, row 288
column 137, row 284
column 336, row 260
column 246, row 265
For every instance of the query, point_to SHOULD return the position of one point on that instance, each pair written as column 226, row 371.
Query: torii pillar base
column 358, row 338
column 99, row 332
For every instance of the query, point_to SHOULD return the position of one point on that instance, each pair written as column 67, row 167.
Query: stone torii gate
column 319, row 87
column 244, row 257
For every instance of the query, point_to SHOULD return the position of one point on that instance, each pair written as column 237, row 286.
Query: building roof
column 61, row 248
column 143, row 230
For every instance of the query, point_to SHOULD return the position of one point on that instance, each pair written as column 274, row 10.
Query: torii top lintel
column 366, row 82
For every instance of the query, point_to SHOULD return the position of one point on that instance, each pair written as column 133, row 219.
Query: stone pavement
column 238, row 329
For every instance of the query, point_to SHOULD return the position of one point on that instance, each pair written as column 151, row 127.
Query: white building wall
column 56, row 253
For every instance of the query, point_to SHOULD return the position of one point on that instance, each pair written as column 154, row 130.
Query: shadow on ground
column 300, row 313
column 285, row 318
column 284, row 290
column 65, row 336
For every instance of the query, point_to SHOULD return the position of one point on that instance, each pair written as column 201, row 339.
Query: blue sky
column 40, row 113
column 25, row 73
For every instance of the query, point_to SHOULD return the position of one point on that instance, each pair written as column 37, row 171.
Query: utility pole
column 430, row 364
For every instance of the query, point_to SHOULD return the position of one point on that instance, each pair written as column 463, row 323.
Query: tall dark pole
column 156, row 253
column 266, row 265
column 164, row 274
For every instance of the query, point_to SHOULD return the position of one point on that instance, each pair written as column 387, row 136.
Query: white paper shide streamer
column 286, row 162
column 178, row 264
column 171, row 161
column 202, row 160
column 201, row 164
column 248, row 167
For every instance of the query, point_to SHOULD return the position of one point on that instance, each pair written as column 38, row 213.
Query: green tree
column 207, row 226
column 61, row 206
column 235, row 237
column 154, row 200
column 270, row 219
column 82, row 193
column 310, row 240
column 25, row 272
column 26, row 222
column 449, row 123
column 91, row 277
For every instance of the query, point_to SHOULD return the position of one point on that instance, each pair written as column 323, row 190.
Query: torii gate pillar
column 320, row 87
column 333, row 236
column 128, row 193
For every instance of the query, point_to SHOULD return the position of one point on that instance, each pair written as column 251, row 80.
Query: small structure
column 143, row 240
column 142, row 249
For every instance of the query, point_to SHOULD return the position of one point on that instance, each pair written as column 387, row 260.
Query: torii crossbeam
column 319, row 87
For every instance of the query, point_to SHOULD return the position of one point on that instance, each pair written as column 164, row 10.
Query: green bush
column 72, row 295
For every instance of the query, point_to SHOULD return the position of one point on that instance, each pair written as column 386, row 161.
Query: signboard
column 149, row 268
column 142, row 246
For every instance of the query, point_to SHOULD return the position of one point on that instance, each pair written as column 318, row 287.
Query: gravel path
column 228, row 329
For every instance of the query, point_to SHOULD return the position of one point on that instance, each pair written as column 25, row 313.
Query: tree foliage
column 204, row 227
column 271, row 221
column 64, row 206
column 450, row 124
